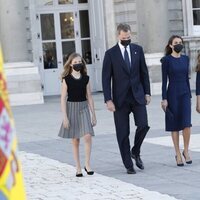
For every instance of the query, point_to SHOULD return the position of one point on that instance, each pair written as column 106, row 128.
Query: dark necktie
column 126, row 59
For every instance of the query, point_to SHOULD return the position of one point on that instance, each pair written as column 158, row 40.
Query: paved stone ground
column 46, row 155
column 50, row 179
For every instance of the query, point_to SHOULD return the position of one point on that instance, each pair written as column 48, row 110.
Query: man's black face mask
column 125, row 43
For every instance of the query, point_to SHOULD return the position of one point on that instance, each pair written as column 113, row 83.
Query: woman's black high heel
column 187, row 161
column 89, row 172
column 179, row 164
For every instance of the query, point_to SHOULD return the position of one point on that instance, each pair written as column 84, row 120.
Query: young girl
column 198, row 84
column 77, row 122
column 176, row 96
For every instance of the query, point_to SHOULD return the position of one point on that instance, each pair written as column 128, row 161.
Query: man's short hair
column 123, row 27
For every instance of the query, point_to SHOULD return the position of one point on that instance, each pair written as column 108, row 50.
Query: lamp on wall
column 49, row 3
column 65, row 1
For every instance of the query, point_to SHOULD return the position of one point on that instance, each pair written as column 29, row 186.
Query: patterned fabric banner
column 11, row 180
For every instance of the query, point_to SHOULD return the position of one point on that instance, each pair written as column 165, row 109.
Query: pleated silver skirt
column 79, row 120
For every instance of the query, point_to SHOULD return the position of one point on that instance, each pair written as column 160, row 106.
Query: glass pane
column 67, row 25
column 65, row 1
column 86, row 51
column 196, row 3
column 196, row 17
column 67, row 49
column 84, row 24
column 47, row 26
column 82, row 1
column 44, row 2
column 49, row 55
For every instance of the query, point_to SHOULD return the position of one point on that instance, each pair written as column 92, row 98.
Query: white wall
column 13, row 30
column 153, row 24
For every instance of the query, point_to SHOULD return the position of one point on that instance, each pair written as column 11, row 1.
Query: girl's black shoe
column 79, row 175
column 89, row 172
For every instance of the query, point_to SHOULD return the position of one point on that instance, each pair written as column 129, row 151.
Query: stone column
column 13, row 30
column 110, row 28
column 153, row 25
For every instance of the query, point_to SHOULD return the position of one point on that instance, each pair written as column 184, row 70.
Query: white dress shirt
column 122, row 48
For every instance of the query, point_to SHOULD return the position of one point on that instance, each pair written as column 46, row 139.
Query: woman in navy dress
column 198, row 84
column 176, row 96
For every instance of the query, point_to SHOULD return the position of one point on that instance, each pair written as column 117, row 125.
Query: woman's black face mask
column 178, row 48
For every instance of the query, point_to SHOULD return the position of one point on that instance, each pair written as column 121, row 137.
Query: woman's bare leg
column 175, row 139
column 186, row 140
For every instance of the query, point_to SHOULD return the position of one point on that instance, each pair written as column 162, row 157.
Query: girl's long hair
column 198, row 63
column 168, row 49
column 68, row 68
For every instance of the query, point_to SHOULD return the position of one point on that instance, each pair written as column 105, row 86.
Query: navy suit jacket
column 117, row 79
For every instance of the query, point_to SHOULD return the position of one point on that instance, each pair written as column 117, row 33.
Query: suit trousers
column 122, row 125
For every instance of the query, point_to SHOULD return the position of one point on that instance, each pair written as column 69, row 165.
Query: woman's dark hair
column 168, row 49
column 198, row 63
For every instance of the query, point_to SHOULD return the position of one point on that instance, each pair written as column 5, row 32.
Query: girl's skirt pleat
column 79, row 120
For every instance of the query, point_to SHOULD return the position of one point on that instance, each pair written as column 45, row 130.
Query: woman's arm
column 164, row 79
column 63, row 104
column 188, row 76
column 198, row 104
column 198, row 91
column 198, row 83
column 91, row 104
column 164, row 102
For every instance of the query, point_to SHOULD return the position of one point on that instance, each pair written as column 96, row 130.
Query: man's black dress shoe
column 131, row 171
column 138, row 161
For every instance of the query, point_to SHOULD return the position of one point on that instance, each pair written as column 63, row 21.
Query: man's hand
column 148, row 99
column 110, row 106
column 198, row 108
column 164, row 104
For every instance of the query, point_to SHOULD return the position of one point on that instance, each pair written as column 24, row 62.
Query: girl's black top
column 76, row 88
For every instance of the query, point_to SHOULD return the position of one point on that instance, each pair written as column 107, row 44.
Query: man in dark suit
column 126, row 89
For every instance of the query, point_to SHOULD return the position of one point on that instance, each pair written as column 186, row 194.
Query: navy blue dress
column 176, row 89
column 198, row 83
